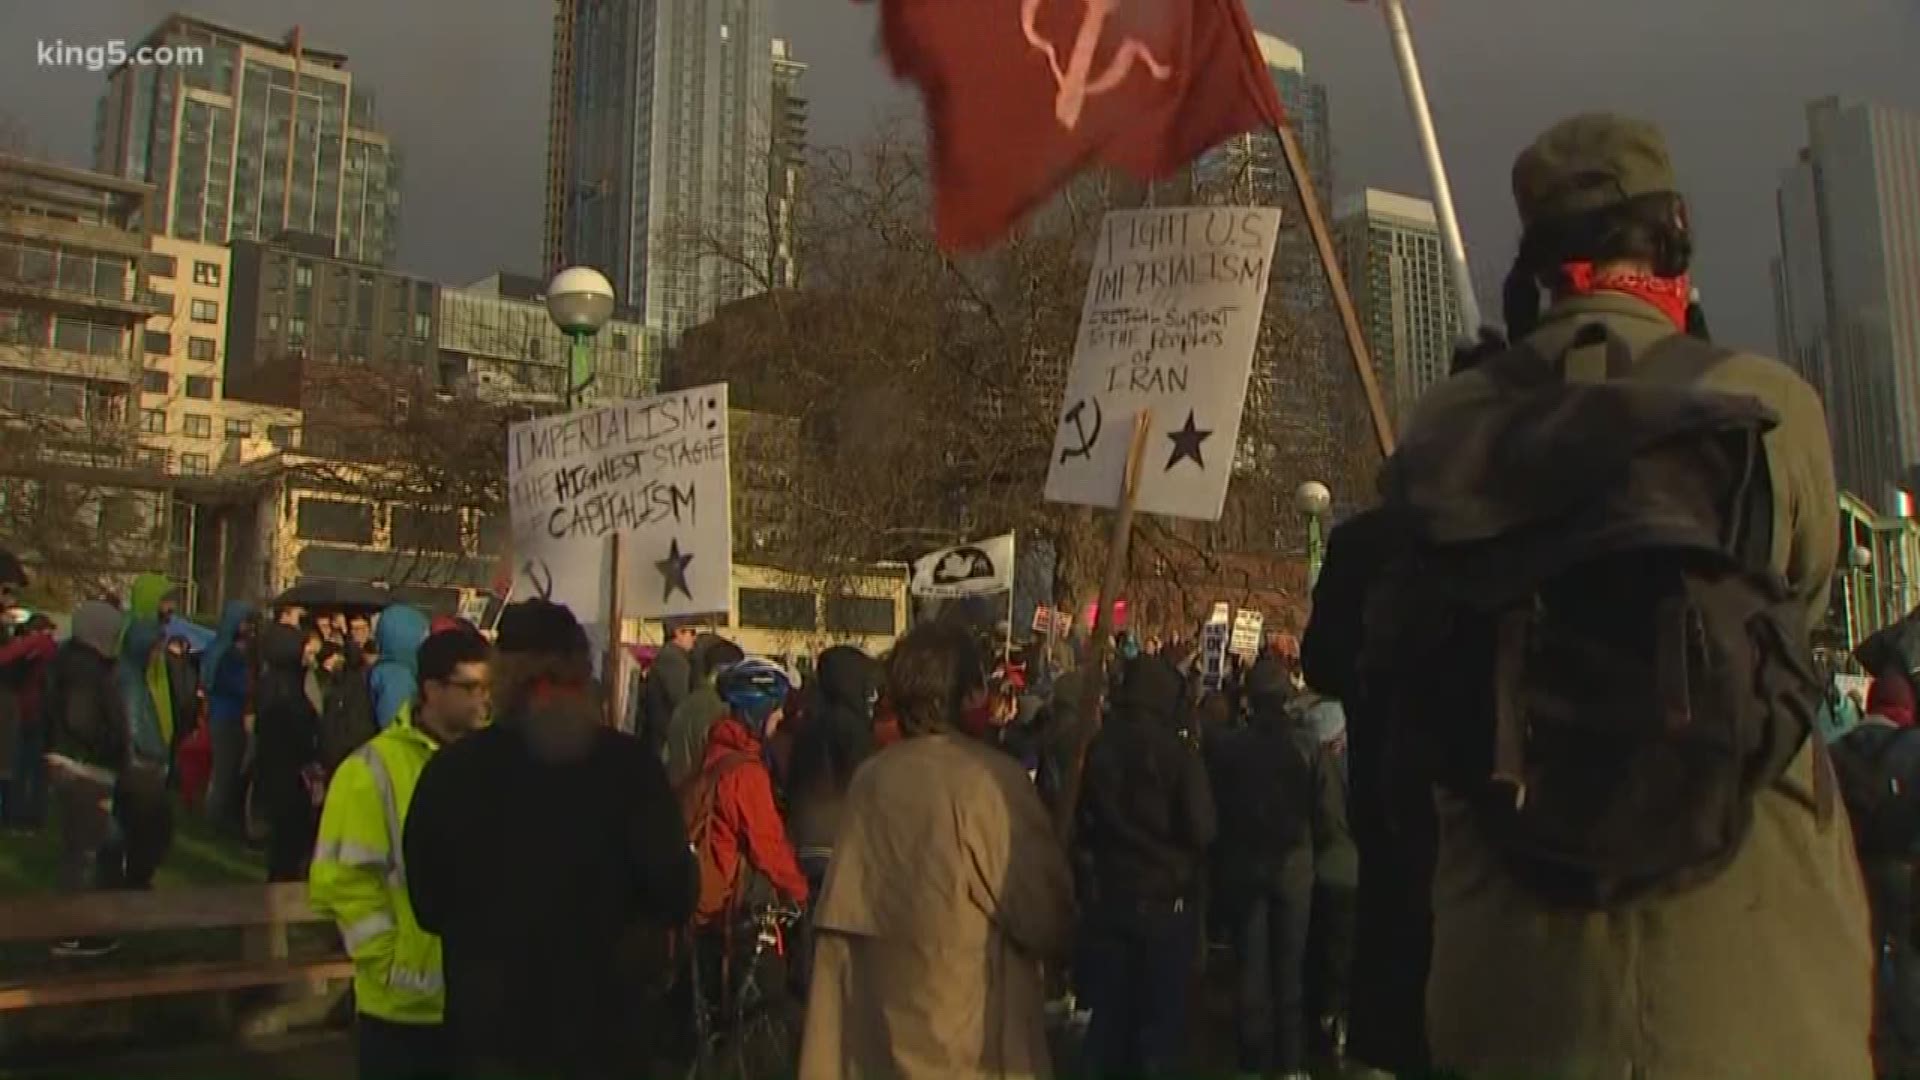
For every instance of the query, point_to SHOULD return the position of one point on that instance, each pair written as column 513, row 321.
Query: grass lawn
column 30, row 861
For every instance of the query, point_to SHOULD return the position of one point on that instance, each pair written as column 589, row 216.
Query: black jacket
column 1146, row 814
column 551, row 884
column 668, row 682
column 86, row 720
column 1282, row 801
column 836, row 736
column 286, row 729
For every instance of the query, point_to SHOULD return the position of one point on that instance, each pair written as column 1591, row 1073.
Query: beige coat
column 947, row 891
column 1765, row 971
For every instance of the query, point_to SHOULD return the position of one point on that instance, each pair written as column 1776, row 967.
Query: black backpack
column 1585, row 639
column 1870, row 769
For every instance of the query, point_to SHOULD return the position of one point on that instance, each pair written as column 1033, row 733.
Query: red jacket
column 745, row 817
column 33, row 652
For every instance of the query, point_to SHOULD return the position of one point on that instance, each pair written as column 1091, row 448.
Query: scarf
column 1671, row 295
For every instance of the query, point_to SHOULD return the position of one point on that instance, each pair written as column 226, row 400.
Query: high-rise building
column 261, row 137
column 1390, row 250
column 786, row 164
column 1847, row 287
column 667, row 131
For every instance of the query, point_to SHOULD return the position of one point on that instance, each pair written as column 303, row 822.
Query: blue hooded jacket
column 395, row 679
column 223, row 671
column 130, row 675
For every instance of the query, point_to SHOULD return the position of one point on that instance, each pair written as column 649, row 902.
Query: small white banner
column 977, row 569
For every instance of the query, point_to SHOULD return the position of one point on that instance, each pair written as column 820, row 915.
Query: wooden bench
column 264, row 910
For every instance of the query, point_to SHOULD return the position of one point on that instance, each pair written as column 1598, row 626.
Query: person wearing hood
column 393, row 681
column 360, row 873
column 86, row 752
column 226, row 671
column 1282, row 808
column 551, row 905
column 286, row 752
column 141, row 803
column 694, row 717
column 837, row 737
column 1145, row 820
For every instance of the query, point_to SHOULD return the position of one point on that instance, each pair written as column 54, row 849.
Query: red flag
column 1023, row 94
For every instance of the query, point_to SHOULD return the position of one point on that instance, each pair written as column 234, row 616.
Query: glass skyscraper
column 1847, row 288
column 668, row 141
column 260, row 138
column 1403, row 293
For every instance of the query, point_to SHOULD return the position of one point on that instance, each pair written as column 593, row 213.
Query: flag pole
column 1013, row 591
column 1450, row 238
column 1336, row 282
column 1100, row 647
column 615, row 671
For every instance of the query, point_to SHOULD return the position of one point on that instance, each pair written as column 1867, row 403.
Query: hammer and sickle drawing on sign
column 1073, row 79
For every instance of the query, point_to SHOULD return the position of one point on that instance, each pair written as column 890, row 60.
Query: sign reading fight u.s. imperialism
column 1169, row 325
column 653, row 471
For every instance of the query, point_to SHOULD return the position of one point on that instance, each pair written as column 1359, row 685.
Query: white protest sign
column 1246, row 632
column 1170, row 321
column 1213, row 655
column 652, row 470
column 977, row 569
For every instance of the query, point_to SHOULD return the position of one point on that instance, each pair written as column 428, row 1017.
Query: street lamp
column 1312, row 498
column 580, row 300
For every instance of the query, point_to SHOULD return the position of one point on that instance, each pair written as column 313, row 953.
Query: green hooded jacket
column 143, row 603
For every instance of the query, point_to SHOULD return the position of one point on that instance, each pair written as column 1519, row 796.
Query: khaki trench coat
column 1765, row 971
column 947, row 891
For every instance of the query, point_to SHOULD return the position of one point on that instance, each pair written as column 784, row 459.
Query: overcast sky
column 463, row 90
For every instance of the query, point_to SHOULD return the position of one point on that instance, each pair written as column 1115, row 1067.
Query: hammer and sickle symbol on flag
column 1073, row 79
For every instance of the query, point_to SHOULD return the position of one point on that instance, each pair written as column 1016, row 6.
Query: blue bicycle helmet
column 753, row 689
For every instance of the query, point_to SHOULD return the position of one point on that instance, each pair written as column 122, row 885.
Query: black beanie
column 541, row 626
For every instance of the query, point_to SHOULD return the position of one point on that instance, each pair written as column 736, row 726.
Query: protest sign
column 1246, row 633
column 1171, row 316
column 978, row 569
column 654, row 472
column 1213, row 655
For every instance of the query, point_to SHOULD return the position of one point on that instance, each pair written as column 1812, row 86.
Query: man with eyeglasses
column 359, row 875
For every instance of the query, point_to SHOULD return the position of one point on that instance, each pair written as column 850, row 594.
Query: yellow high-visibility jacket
column 359, row 877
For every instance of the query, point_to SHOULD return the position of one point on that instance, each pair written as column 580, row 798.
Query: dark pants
column 1330, row 957
column 90, row 852
column 226, row 790
column 1270, row 1005
column 23, row 798
column 390, row 1051
column 144, row 810
column 290, row 836
column 1134, row 970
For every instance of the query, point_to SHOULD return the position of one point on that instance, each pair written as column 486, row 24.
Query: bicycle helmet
column 753, row 689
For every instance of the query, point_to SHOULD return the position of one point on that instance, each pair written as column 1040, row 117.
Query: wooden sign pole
column 1100, row 651
column 613, row 669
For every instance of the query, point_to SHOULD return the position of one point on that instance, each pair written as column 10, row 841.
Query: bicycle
column 743, row 1031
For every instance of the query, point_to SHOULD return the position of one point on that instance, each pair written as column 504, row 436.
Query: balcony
column 78, row 279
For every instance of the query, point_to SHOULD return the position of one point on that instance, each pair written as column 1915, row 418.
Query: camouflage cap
column 1589, row 163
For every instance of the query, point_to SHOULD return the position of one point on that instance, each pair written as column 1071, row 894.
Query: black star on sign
column 1186, row 444
column 673, row 569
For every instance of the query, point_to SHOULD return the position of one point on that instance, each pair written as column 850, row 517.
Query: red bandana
column 1671, row 295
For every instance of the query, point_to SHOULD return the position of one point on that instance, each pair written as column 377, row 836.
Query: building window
column 164, row 301
column 280, row 435
column 161, row 266
column 777, row 609
column 422, row 326
column 296, row 330
column 303, row 275
column 206, row 311
column 196, row 427
column 239, row 429
column 335, row 521
column 619, row 342
column 860, row 615
column 195, row 464
column 206, row 273
column 200, row 388
column 159, row 343
column 415, row 529
column 153, row 421
column 200, row 348
column 155, row 382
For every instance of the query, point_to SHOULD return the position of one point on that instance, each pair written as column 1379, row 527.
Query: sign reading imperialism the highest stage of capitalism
column 1171, row 316
column 653, row 471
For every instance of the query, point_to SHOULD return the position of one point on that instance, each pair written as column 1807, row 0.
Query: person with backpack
column 1597, row 648
column 286, row 751
column 733, row 822
column 553, row 906
column 1878, row 764
column 1282, row 808
column 1146, row 817
column 87, row 749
